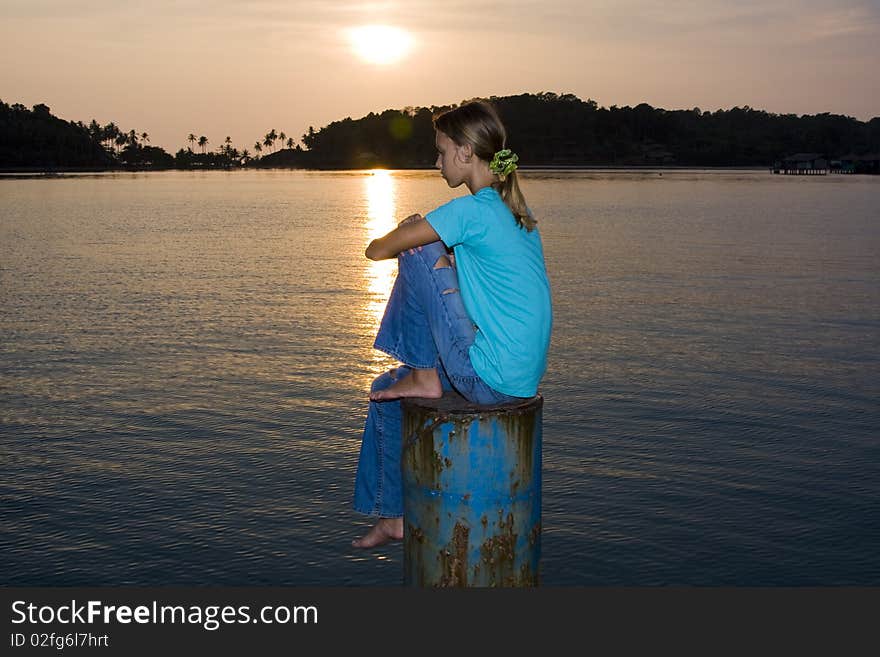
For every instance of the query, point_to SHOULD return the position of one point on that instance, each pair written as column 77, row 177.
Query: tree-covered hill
column 34, row 138
column 37, row 140
column 547, row 129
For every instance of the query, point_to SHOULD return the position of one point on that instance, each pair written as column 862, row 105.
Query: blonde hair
column 478, row 124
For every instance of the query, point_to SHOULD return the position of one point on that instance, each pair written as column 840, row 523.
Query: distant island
column 548, row 129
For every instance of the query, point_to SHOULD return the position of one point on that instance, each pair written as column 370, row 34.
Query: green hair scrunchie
column 504, row 163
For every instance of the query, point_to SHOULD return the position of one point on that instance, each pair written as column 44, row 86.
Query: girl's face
column 452, row 160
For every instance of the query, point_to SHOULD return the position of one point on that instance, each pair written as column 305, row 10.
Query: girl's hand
column 410, row 219
column 410, row 234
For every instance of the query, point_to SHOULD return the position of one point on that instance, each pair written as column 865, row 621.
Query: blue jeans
column 425, row 326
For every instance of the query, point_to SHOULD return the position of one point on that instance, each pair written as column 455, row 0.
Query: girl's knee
column 433, row 251
column 428, row 252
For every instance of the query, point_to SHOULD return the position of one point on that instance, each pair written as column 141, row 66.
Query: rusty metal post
column 472, row 492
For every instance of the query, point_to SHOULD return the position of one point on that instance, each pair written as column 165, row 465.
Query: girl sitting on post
column 476, row 320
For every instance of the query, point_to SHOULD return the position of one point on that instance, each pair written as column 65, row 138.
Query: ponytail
column 514, row 199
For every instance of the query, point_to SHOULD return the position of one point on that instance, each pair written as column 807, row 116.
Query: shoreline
column 46, row 172
column 24, row 173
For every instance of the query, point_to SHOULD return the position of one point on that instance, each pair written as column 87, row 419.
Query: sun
column 380, row 44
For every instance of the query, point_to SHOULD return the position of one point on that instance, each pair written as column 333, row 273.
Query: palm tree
column 203, row 141
column 145, row 137
column 273, row 136
column 309, row 137
column 191, row 139
column 132, row 138
column 282, row 137
column 245, row 156
column 258, row 148
column 290, row 142
column 109, row 134
column 268, row 140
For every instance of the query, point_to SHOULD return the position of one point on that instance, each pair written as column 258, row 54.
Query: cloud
column 608, row 21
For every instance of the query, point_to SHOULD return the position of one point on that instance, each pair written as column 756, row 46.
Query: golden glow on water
column 381, row 192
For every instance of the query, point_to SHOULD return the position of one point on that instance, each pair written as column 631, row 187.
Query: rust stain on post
column 498, row 553
column 453, row 559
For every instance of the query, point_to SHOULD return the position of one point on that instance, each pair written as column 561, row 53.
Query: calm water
column 185, row 359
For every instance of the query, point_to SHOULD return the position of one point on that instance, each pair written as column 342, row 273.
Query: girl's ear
column 466, row 152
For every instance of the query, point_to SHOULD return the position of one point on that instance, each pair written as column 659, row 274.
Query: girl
column 477, row 322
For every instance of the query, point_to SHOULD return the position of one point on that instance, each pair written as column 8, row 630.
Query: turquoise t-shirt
column 504, row 286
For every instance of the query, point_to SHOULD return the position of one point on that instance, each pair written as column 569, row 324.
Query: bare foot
column 384, row 531
column 418, row 383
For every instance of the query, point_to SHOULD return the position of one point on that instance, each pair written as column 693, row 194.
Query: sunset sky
column 240, row 68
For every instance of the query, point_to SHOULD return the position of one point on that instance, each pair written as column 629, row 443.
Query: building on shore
column 868, row 163
column 802, row 164
column 818, row 164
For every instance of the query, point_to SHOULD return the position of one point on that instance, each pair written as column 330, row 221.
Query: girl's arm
column 412, row 232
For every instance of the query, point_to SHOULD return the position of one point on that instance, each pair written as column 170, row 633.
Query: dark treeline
column 546, row 129
column 35, row 138
column 562, row 130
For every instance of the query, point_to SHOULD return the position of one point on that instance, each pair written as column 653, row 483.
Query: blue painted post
column 472, row 492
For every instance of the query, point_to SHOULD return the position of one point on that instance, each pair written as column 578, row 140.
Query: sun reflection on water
column 381, row 193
